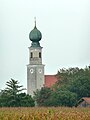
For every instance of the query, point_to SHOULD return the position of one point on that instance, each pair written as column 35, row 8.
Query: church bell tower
column 35, row 68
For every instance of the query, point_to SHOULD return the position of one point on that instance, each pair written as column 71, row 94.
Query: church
column 35, row 69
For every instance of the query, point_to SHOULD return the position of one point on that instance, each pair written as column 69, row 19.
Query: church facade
column 35, row 69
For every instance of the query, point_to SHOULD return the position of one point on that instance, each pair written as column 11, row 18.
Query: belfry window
column 31, row 55
column 39, row 54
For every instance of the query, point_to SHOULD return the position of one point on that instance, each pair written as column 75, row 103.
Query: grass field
column 53, row 113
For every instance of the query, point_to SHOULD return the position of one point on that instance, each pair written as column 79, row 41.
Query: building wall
column 35, row 70
column 84, row 104
column 35, row 59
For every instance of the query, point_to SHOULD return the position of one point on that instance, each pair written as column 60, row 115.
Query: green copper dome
column 35, row 35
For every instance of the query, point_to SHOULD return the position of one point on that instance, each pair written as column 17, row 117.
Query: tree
column 3, row 99
column 12, row 90
column 41, row 96
column 81, row 86
column 66, row 76
column 12, row 96
column 48, row 97
column 26, row 100
column 75, row 80
column 63, row 98
column 72, row 84
column 13, row 87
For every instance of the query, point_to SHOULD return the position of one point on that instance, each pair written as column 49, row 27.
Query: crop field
column 45, row 113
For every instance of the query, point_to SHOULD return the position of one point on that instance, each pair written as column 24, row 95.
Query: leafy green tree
column 4, row 99
column 48, row 97
column 41, row 96
column 81, row 86
column 12, row 96
column 65, row 76
column 63, row 98
column 72, row 84
column 26, row 100
column 75, row 80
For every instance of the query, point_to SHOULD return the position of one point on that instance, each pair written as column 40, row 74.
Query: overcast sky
column 65, row 28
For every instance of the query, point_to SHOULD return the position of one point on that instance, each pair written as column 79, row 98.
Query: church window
column 39, row 54
column 31, row 55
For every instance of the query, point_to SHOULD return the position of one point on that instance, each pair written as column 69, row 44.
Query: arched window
column 39, row 54
column 31, row 55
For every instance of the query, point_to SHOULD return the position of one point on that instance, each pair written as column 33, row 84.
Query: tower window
column 39, row 54
column 31, row 55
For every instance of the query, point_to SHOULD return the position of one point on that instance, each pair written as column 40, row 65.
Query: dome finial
column 35, row 21
column 35, row 36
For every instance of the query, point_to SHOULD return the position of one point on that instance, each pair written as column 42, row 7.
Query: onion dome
column 35, row 35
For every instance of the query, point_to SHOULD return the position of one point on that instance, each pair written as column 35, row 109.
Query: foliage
column 72, row 84
column 11, row 96
column 47, row 97
column 75, row 80
column 81, row 86
column 63, row 98
column 65, row 76
column 25, row 100
column 55, row 113
column 41, row 96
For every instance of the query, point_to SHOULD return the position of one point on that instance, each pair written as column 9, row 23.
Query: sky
column 65, row 28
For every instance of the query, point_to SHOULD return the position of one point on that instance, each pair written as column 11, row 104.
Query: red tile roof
column 50, row 80
column 87, row 99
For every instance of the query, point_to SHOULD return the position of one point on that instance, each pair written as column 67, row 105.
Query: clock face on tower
column 40, row 70
column 31, row 70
